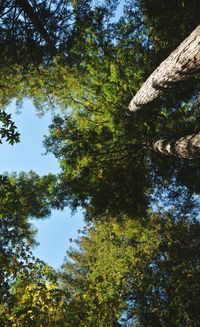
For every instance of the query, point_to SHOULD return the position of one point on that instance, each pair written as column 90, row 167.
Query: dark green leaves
column 8, row 130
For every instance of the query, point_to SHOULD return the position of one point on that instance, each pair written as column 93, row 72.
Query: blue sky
column 54, row 232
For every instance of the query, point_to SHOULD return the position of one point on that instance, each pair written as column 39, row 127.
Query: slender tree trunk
column 29, row 10
column 187, row 147
column 181, row 65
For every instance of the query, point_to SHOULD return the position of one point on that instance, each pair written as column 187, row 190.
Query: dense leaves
column 35, row 298
column 21, row 197
column 169, row 22
column 137, row 261
column 36, row 30
column 100, row 171
column 26, row 194
column 144, row 272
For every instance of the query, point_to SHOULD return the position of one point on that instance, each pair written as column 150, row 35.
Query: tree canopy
column 136, row 263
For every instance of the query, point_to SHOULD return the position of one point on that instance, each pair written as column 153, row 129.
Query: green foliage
column 32, row 32
column 97, row 164
column 143, row 272
column 32, row 39
column 8, row 128
column 136, row 268
column 36, row 299
column 100, row 272
column 22, row 197
column 16, row 238
column 27, row 195
column 169, row 22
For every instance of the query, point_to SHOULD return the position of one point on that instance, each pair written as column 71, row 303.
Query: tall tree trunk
column 181, row 65
column 187, row 147
column 39, row 27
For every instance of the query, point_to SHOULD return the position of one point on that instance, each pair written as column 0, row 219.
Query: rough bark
column 181, row 65
column 187, row 147
column 29, row 10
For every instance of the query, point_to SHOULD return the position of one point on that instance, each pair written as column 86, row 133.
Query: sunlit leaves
column 36, row 299
column 146, row 270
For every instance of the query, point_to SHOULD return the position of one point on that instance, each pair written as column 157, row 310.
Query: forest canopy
column 135, row 175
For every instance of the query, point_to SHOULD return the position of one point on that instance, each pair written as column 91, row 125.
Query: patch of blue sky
column 55, row 232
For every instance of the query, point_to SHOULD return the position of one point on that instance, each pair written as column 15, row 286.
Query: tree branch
column 28, row 9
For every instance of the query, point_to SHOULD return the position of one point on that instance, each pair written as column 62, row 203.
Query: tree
column 68, row 27
column 110, row 166
column 27, row 194
column 36, row 299
column 130, row 271
column 20, row 36
column 44, row 29
column 98, row 273
column 38, row 24
column 21, row 197
column 16, row 239
column 32, row 28
column 101, row 168
column 181, row 65
column 167, row 23
column 133, row 267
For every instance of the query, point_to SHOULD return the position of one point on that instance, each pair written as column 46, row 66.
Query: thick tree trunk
column 187, row 147
column 181, row 65
column 29, row 10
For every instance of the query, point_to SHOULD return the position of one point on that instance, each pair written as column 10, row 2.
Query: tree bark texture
column 181, row 65
column 187, row 147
